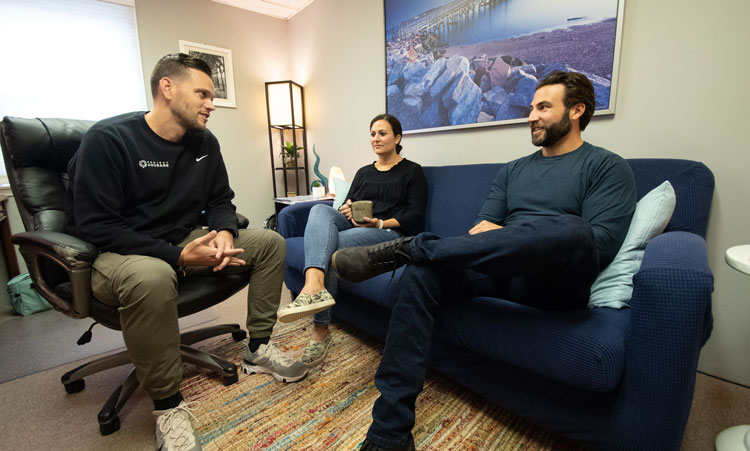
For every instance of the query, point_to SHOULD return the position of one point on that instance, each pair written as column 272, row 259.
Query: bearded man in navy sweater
column 139, row 185
column 551, row 222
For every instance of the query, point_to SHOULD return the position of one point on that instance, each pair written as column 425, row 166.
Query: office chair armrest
column 242, row 222
column 73, row 255
column 74, row 251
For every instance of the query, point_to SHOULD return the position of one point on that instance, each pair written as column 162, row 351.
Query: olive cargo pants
column 145, row 290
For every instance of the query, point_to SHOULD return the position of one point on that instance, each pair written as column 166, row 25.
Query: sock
column 168, row 403
column 255, row 343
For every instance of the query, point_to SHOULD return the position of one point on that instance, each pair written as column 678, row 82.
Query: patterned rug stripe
column 331, row 408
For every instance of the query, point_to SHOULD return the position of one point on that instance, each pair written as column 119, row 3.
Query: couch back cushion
column 454, row 196
column 693, row 185
column 456, row 193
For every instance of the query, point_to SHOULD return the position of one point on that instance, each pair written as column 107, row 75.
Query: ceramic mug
column 360, row 209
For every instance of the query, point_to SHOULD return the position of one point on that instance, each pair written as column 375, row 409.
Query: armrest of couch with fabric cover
column 614, row 379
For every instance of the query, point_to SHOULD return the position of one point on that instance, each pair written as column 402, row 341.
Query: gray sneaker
column 269, row 359
column 316, row 351
column 174, row 431
column 306, row 305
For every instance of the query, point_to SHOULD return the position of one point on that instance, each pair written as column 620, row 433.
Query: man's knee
column 268, row 242
column 146, row 277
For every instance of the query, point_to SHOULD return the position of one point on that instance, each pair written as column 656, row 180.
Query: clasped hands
column 346, row 210
column 215, row 249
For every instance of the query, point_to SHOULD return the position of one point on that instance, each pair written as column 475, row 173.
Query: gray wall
column 682, row 94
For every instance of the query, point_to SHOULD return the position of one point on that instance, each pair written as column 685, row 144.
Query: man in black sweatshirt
column 139, row 184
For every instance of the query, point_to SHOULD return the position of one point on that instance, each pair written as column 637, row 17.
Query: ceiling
column 282, row 9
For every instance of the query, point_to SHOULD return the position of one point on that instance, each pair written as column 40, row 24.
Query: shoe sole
column 293, row 314
column 248, row 368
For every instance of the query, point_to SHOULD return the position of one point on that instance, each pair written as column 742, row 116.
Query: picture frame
column 220, row 61
column 473, row 63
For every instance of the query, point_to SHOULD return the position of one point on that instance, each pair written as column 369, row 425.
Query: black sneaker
column 356, row 264
column 367, row 445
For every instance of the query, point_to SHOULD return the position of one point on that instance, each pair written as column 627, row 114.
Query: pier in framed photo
column 462, row 63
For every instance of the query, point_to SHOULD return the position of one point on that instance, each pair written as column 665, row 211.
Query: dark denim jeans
column 548, row 263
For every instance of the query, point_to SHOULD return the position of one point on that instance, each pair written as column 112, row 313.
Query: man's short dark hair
column 176, row 65
column 578, row 89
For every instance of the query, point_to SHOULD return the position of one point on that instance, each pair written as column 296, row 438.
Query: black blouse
column 400, row 193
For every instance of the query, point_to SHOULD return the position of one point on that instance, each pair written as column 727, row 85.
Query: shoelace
column 179, row 440
column 387, row 254
column 278, row 356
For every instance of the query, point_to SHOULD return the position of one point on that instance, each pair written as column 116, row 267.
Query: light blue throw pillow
column 342, row 189
column 614, row 286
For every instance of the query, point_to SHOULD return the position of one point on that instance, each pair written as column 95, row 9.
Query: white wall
column 682, row 94
column 260, row 47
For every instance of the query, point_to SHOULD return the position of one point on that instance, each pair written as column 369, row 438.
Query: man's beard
column 554, row 132
column 186, row 119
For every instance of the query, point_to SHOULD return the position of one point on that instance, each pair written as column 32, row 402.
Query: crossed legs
column 542, row 263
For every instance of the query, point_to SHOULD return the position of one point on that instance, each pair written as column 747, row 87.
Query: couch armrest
column 73, row 255
column 670, row 321
column 292, row 220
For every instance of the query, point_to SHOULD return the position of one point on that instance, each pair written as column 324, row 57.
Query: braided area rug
column 330, row 409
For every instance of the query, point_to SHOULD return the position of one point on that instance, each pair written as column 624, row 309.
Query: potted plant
column 318, row 190
column 289, row 154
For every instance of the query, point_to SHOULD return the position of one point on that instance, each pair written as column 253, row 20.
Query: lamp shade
column 284, row 104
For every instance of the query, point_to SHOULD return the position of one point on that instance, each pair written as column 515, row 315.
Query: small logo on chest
column 153, row 164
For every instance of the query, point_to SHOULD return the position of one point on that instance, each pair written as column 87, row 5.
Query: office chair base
column 110, row 428
column 108, row 419
column 75, row 386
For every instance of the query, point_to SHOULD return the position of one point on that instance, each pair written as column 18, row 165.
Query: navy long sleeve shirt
column 590, row 182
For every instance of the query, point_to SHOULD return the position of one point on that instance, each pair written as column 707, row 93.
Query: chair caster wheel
column 229, row 380
column 239, row 335
column 75, row 386
column 109, row 428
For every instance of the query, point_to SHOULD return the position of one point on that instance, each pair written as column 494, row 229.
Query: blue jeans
column 548, row 263
column 328, row 230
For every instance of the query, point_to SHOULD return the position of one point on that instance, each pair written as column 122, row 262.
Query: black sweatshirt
column 133, row 192
column 400, row 193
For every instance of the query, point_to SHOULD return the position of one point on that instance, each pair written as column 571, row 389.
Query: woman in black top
column 398, row 191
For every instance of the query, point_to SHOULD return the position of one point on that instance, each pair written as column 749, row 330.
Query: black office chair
column 36, row 154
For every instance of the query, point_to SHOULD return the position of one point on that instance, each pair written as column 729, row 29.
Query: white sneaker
column 174, row 431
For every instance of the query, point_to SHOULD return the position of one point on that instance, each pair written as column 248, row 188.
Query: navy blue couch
column 608, row 379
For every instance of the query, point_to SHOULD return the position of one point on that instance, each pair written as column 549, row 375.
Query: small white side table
column 736, row 438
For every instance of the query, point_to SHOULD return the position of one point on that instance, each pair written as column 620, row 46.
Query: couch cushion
column 614, row 286
column 455, row 194
column 583, row 348
column 693, row 185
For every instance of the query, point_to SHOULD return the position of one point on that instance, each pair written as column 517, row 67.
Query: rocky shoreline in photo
column 430, row 87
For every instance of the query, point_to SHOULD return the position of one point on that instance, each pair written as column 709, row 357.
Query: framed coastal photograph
column 220, row 61
column 466, row 63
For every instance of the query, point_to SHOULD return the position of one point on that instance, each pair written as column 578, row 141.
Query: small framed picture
column 220, row 62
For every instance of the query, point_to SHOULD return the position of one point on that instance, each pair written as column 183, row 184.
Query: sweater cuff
column 170, row 254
